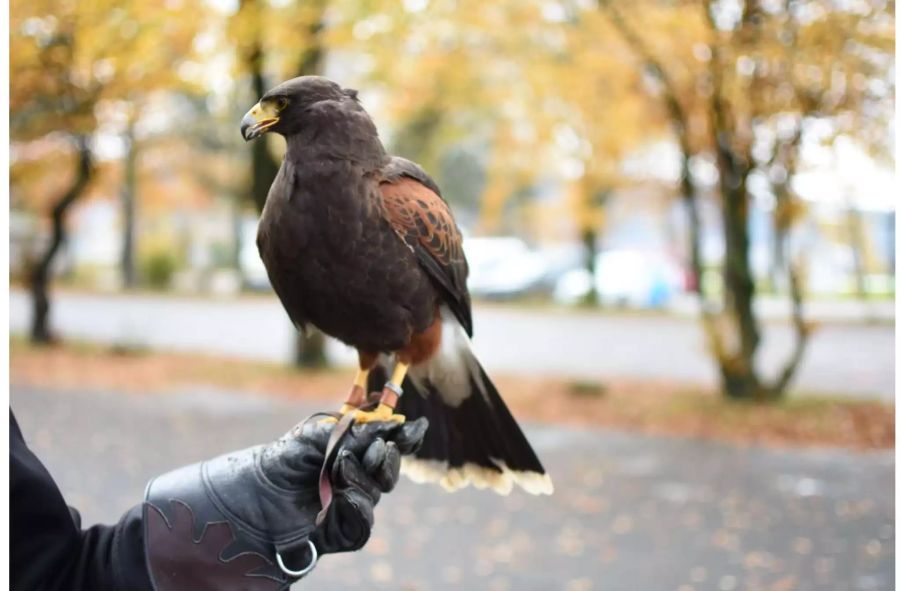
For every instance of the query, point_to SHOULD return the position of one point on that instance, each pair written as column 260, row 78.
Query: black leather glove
column 247, row 520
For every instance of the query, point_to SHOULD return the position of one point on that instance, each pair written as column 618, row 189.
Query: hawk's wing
column 417, row 213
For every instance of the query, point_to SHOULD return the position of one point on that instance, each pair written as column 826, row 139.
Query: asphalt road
column 630, row 512
column 844, row 358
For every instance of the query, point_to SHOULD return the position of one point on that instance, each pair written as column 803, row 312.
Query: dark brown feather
column 336, row 263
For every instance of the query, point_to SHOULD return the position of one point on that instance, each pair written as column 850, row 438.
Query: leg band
column 394, row 388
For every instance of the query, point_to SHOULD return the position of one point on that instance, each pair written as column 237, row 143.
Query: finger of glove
column 382, row 463
column 349, row 474
column 410, row 435
column 374, row 456
column 348, row 524
column 363, row 435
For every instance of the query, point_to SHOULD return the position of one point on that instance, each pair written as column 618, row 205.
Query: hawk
column 361, row 245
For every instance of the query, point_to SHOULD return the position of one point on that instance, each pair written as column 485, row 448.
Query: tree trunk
column 128, row 198
column 309, row 349
column 857, row 247
column 739, row 372
column 735, row 356
column 589, row 241
column 737, row 366
column 782, row 256
column 695, row 230
column 40, row 276
column 801, row 330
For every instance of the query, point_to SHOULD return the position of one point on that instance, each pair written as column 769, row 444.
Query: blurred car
column 628, row 278
column 506, row 267
column 502, row 267
column 562, row 259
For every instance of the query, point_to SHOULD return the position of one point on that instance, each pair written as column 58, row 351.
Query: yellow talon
column 344, row 410
column 381, row 413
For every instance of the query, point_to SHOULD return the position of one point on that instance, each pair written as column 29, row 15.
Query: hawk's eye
column 281, row 103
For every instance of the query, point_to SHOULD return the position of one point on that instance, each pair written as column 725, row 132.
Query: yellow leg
column 357, row 395
column 359, row 386
column 399, row 373
column 362, row 378
column 385, row 409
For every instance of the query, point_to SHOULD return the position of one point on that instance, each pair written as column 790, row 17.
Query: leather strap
column 326, row 491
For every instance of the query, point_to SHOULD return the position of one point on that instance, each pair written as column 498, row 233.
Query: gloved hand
column 247, row 520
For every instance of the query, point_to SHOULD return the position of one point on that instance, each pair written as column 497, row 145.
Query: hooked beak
column 258, row 120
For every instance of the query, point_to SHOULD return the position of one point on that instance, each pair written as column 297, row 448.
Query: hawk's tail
column 472, row 437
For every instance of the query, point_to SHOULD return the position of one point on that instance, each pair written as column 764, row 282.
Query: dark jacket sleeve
column 48, row 548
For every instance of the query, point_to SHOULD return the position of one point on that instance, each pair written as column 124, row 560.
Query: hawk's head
column 285, row 108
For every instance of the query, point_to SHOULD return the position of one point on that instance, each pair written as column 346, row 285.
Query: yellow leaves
column 519, row 75
column 28, row 170
column 495, row 195
column 506, row 75
column 788, row 211
column 97, row 48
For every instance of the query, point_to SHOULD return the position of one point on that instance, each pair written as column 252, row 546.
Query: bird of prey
column 361, row 245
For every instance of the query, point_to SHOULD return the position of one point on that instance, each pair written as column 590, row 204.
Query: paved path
column 630, row 512
column 842, row 358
